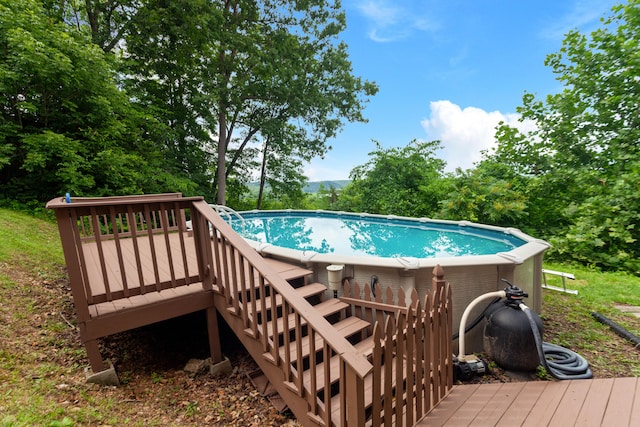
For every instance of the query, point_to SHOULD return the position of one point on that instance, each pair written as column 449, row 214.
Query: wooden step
column 266, row 389
column 325, row 308
column 365, row 347
column 288, row 271
column 346, row 327
column 307, row 291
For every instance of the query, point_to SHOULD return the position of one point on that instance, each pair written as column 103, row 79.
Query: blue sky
column 449, row 70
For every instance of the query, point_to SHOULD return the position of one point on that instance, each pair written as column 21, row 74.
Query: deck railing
column 132, row 228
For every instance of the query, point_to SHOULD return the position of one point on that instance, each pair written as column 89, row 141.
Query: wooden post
column 215, row 346
column 437, row 282
column 353, row 397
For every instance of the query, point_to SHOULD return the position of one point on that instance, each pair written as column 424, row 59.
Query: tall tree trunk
column 263, row 173
column 222, row 152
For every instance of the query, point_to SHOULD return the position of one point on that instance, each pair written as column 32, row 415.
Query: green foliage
column 579, row 165
column 63, row 114
column 269, row 81
column 479, row 195
column 605, row 230
column 401, row 181
column 243, row 83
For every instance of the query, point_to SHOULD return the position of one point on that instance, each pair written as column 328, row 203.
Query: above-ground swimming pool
column 401, row 252
column 373, row 236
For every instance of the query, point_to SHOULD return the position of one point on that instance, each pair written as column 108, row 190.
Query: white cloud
column 389, row 21
column 464, row 133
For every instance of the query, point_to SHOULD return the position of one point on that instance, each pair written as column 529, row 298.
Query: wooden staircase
column 331, row 309
column 305, row 352
column 355, row 360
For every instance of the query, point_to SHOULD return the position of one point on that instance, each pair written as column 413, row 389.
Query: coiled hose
column 560, row 362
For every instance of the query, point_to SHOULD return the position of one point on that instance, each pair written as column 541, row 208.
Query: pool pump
column 508, row 338
column 513, row 339
column 466, row 366
column 471, row 366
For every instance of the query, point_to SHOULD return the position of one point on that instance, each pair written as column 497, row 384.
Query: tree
column 585, row 147
column 166, row 63
column 401, row 181
column 286, row 67
column 232, row 76
column 481, row 195
column 65, row 124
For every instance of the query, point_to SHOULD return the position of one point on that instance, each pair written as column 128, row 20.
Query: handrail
column 61, row 202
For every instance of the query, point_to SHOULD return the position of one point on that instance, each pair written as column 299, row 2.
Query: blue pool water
column 346, row 234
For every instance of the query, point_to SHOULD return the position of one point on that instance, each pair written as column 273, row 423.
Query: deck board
column 594, row 405
column 604, row 402
column 527, row 397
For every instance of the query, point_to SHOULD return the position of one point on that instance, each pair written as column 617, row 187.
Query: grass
column 569, row 322
column 41, row 360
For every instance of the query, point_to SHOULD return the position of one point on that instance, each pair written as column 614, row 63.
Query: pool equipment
column 334, row 274
column 507, row 335
column 466, row 366
column 512, row 338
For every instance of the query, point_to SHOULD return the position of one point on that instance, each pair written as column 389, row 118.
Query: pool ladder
column 228, row 214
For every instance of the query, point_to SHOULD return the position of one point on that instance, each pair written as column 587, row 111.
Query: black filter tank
column 508, row 338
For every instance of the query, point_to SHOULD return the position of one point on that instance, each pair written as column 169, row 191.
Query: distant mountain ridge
column 312, row 186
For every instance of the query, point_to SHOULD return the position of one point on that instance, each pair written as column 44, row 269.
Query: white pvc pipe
column 465, row 315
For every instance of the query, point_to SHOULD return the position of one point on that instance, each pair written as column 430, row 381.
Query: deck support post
column 93, row 352
column 214, row 336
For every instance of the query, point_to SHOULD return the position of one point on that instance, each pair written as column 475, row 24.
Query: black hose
column 560, row 362
column 618, row 329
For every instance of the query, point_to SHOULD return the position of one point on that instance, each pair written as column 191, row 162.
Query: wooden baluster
column 400, row 343
column 389, row 350
column 377, row 360
column 116, row 238
column 419, row 359
column 428, row 352
column 326, row 355
column 164, row 224
column 133, row 230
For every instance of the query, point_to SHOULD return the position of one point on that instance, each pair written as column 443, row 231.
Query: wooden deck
column 605, row 402
column 132, row 261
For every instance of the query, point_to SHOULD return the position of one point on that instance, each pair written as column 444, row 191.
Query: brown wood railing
column 132, row 240
column 132, row 262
